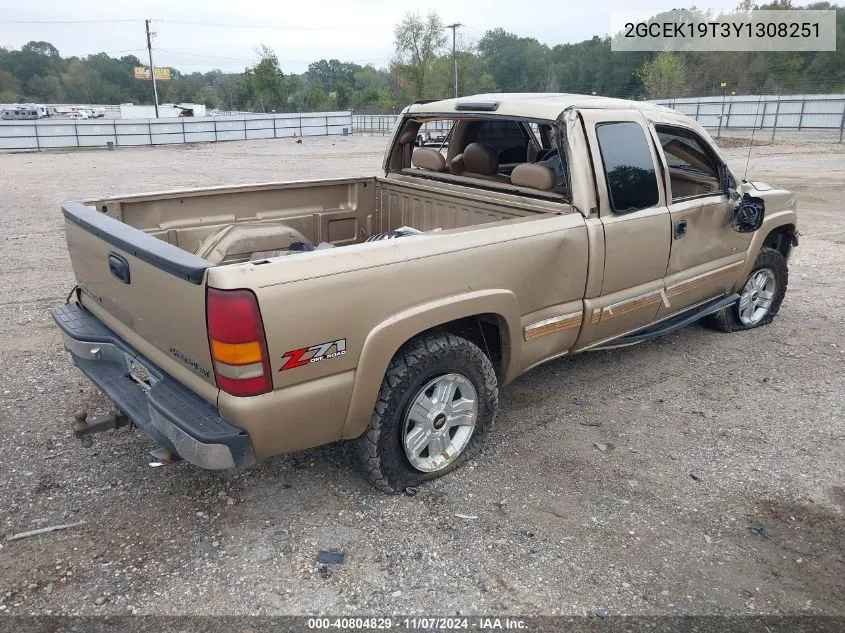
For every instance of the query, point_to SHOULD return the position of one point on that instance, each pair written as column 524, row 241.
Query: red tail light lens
column 237, row 343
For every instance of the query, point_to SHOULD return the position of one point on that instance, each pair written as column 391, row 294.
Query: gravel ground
column 719, row 489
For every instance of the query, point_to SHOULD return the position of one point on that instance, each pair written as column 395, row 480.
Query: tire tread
column 411, row 359
column 727, row 319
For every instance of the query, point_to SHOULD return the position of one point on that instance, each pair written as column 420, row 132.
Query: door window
column 628, row 166
column 693, row 168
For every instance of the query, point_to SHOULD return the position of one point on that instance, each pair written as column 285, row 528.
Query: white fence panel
column 831, row 106
column 823, row 114
column 132, row 132
column 60, row 133
column 17, row 142
column 230, row 135
column 199, row 126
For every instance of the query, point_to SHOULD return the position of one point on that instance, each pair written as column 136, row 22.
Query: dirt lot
column 720, row 489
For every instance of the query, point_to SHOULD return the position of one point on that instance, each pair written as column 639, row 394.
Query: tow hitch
column 83, row 429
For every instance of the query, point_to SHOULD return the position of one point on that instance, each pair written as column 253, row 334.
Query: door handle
column 680, row 229
column 119, row 268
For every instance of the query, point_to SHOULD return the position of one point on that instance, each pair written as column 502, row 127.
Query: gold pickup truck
column 237, row 322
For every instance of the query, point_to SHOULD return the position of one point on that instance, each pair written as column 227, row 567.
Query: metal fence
column 61, row 133
column 374, row 123
column 797, row 116
column 783, row 115
column 385, row 123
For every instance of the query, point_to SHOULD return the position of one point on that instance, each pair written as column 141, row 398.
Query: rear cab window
column 507, row 137
column 628, row 166
column 513, row 154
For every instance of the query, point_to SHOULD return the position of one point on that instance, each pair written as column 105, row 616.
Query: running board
column 671, row 324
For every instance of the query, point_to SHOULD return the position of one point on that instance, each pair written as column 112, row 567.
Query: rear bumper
column 166, row 410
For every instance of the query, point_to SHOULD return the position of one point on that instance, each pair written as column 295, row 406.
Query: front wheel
column 436, row 405
column 760, row 296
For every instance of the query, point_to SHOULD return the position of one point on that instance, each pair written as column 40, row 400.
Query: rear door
column 706, row 253
column 635, row 223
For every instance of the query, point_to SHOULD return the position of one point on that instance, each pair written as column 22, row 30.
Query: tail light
column 238, row 346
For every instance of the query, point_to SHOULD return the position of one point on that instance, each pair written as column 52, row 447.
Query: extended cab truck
column 234, row 323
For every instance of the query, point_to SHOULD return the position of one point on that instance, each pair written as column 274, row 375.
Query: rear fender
column 391, row 334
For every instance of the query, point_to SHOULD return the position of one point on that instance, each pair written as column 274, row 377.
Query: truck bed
column 226, row 225
column 143, row 262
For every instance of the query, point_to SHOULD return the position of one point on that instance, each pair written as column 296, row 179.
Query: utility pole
column 454, row 28
column 152, row 68
column 724, row 86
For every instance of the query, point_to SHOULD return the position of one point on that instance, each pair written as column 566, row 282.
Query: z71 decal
column 313, row 354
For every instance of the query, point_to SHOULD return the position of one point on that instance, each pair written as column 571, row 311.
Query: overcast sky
column 207, row 34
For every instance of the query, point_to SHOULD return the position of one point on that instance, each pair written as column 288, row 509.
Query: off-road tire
column 727, row 319
column 422, row 358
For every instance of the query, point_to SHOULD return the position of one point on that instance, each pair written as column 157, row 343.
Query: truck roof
column 538, row 105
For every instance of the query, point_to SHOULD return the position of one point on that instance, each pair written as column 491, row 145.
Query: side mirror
column 728, row 182
column 748, row 216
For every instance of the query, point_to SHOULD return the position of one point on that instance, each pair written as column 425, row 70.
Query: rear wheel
column 759, row 298
column 436, row 405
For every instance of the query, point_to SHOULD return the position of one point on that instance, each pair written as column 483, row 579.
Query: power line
column 234, row 25
column 254, row 59
column 186, row 53
column 125, row 50
column 265, row 26
column 72, row 21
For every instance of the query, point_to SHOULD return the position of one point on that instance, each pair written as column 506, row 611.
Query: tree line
column 422, row 68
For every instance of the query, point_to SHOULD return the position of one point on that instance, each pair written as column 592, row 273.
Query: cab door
column 634, row 221
column 706, row 254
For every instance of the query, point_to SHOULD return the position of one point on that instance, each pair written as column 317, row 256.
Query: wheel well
column 485, row 330
column 781, row 239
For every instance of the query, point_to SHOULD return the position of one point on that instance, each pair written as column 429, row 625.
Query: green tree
column 342, row 96
column 83, row 82
column 332, row 73
column 473, row 77
column 516, row 64
column 235, row 91
column 662, row 76
column 268, row 81
column 417, row 42
column 47, row 89
column 34, row 59
column 10, row 88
